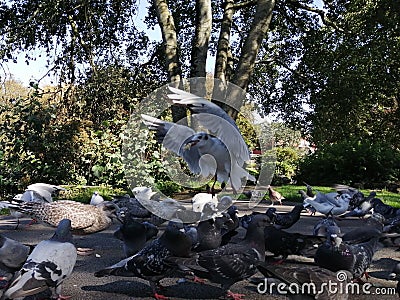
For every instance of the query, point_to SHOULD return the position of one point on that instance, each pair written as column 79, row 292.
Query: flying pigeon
column 135, row 235
column 200, row 199
column 96, row 199
column 149, row 263
column 85, row 218
column 49, row 264
column 220, row 153
column 230, row 263
column 13, row 255
column 275, row 196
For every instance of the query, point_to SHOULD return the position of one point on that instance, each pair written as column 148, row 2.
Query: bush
column 351, row 162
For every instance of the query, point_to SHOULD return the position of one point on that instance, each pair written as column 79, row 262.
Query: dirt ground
column 83, row 285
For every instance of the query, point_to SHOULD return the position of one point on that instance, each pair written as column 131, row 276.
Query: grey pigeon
column 283, row 243
column 85, row 218
column 385, row 210
column 13, row 255
column 230, row 263
column 285, row 220
column 131, row 206
column 209, row 232
column 326, row 224
column 49, row 264
column 359, row 205
column 135, row 235
column 335, row 255
column 230, row 230
column 309, row 190
column 329, row 203
column 149, row 263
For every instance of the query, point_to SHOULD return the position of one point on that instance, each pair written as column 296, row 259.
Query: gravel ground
column 84, row 285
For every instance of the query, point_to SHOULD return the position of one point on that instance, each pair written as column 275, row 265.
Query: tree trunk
column 200, row 47
column 251, row 46
column 168, row 31
column 221, row 61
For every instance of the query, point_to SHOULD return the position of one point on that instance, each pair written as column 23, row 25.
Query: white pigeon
column 200, row 199
column 204, row 153
column 326, row 205
column 143, row 193
column 96, row 199
column 49, row 264
column 36, row 192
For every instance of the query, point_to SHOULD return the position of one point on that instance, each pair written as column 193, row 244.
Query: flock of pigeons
column 201, row 250
column 164, row 238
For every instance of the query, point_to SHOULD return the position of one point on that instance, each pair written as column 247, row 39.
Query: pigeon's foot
column 31, row 222
column 198, row 280
column 160, row 297
column 234, row 296
column 84, row 251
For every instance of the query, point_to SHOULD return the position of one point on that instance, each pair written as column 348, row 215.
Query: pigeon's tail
column 119, row 269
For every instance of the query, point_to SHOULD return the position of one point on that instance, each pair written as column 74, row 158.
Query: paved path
column 83, row 285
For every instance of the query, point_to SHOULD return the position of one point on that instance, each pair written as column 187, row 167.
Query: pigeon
column 282, row 243
column 303, row 195
column 13, row 255
column 337, row 255
column 131, row 206
column 200, row 199
column 41, row 192
column 135, row 235
column 209, row 232
column 395, row 275
column 326, row 204
column 392, row 225
column 385, row 210
column 149, row 263
column 324, row 225
column 85, row 218
column 285, row 220
column 230, row 263
column 49, row 264
column 143, row 193
column 275, row 196
column 309, row 190
column 230, row 230
column 221, row 153
column 37, row 192
column 359, row 205
column 314, row 277
column 96, row 199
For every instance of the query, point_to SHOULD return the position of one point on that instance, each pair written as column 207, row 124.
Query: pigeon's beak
column 191, row 144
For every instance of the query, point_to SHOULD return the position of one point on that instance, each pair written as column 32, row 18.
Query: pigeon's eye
column 206, row 137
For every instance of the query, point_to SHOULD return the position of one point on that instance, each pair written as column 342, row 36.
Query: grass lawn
column 290, row 192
